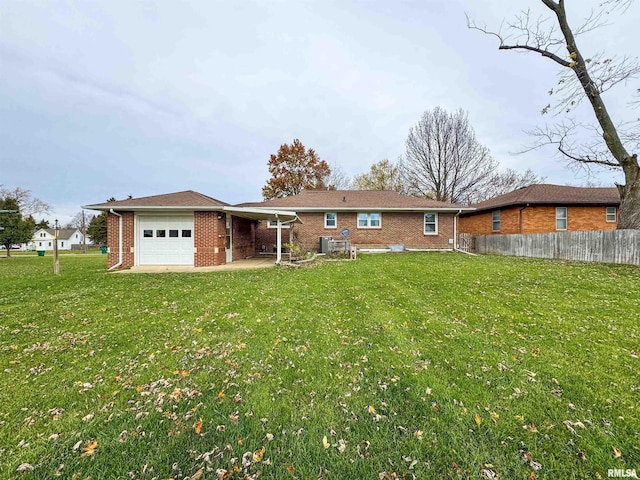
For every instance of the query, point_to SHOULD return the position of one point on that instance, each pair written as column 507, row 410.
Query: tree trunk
column 629, row 215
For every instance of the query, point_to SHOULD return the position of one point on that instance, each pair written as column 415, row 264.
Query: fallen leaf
column 478, row 419
column 325, row 442
column 198, row 474
column 89, row 448
column 197, row 427
column 24, row 467
column 616, row 452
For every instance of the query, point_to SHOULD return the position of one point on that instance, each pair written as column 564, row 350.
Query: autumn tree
column 444, row 160
column 383, row 175
column 293, row 169
column 582, row 76
column 13, row 228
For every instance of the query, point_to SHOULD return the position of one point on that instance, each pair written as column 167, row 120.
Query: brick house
column 544, row 208
column 189, row 228
column 183, row 228
column 372, row 219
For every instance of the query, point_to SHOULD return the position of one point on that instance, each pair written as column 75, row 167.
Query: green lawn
column 393, row 366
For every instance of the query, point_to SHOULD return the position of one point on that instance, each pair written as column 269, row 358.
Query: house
column 368, row 219
column 182, row 228
column 43, row 239
column 189, row 228
column 544, row 208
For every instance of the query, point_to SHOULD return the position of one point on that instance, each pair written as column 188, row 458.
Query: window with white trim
column 430, row 223
column 370, row 220
column 274, row 224
column 331, row 220
column 561, row 218
column 495, row 221
column 611, row 214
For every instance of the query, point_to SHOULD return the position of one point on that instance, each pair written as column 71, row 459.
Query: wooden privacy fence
column 608, row 246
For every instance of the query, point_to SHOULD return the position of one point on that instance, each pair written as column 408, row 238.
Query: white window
column 274, row 224
column 430, row 223
column 611, row 214
column 495, row 221
column 370, row 220
column 330, row 220
column 561, row 218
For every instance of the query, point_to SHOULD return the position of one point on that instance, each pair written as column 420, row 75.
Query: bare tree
column 444, row 160
column 505, row 181
column 81, row 221
column 582, row 77
column 27, row 203
column 337, row 179
column 384, row 175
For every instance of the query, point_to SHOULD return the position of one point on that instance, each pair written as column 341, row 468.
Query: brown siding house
column 544, row 208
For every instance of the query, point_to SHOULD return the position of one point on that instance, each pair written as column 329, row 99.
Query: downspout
column 455, row 230
column 520, row 218
column 119, row 240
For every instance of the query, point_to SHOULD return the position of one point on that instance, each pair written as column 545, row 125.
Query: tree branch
column 587, row 159
column 544, row 53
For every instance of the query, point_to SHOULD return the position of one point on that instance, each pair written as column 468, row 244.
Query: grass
column 408, row 365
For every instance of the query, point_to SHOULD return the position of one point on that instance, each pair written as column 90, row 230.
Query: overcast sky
column 112, row 98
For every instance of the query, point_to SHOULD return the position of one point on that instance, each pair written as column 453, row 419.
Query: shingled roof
column 187, row 199
column 322, row 200
column 547, row 194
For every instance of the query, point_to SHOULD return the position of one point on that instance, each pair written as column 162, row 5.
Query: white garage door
column 165, row 240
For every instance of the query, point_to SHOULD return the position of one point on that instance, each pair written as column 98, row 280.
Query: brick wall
column 406, row 228
column 538, row 219
column 128, row 239
column 243, row 236
column 266, row 237
column 209, row 239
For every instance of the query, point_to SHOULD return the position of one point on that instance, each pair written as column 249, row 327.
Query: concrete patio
column 249, row 263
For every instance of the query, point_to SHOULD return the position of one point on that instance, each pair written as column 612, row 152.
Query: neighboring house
column 544, row 208
column 43, row 239
column 368, row 219
column 189, row 228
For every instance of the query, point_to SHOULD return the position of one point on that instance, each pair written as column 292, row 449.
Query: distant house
column 369, row 219
column 189, row 228
column 43, row 239
column 544, row 208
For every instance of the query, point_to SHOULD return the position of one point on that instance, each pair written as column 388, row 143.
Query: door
column 165, row 240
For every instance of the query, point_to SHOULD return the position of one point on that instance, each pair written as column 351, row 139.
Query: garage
column 165, row 240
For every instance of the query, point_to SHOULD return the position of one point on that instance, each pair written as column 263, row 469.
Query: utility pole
column 56, row 263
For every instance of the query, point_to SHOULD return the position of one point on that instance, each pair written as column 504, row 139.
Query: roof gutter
column 119, row 240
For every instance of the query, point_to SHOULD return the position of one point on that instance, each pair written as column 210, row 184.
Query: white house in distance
column 43, row 239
